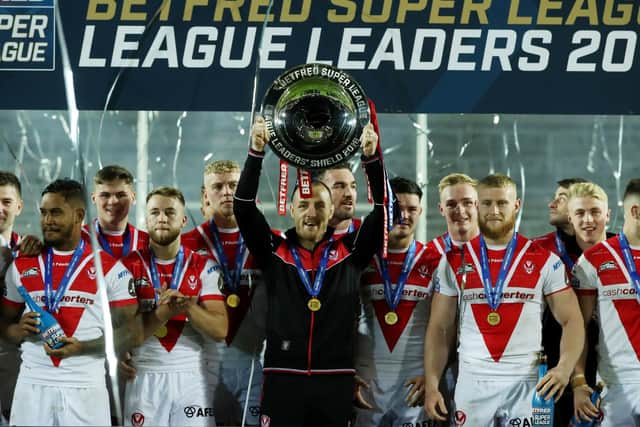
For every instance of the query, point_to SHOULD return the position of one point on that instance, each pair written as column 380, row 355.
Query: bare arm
column 583, row 408
column 440, row 333
column 209, row 317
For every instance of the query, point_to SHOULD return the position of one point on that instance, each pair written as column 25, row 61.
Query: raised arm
column 252, row 223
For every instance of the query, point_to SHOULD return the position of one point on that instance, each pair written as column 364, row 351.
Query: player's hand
column 72, row 347
column 415, row 396
column 368, row 140
column 434, row 405
column 27, row 326
column 552, row 385
column 171, row 302
column 30, row 246
column 584, row 410
column 259, row 134
column 358, row 399
column 126, row 367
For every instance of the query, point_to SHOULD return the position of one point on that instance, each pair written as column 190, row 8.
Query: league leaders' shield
column 314, row 115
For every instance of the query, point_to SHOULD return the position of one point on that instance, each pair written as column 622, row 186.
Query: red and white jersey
column 601, row 271
column 355, row 222
column 511, row 347
column 438, row 244
column 80, row 313
column 400, row 344
column 241, row 333
column 138, row 239
column 179, row 347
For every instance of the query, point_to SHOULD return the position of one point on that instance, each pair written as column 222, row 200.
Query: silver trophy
column 315, row 114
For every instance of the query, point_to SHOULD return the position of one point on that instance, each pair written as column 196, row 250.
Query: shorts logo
column 33, row 271
column 91, row 272
column 192, row 281
column 423, row 271
column 515, row 422
column 529, row 266
column 197, row 411
column 254, row 411
column 265, row 421
column 521, row 422
column 137, row 419
column 609, row 265
column 459, row 418
column 286, row 345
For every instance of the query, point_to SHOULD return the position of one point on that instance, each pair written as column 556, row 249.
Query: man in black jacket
column 312, row 284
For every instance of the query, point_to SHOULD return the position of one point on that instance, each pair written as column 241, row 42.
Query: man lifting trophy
column 314, row 116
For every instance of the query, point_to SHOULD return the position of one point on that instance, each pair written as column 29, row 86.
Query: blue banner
column 441, row 56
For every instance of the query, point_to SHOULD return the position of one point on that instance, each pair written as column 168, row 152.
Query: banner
column 437, row 56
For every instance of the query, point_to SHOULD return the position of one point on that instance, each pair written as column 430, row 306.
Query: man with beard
column 344, row 194
column 504, row 281
column 113, row 196
column 179, row 300
column 312, row 282
column 230, row 363
column 65, row 385
column 396, row 294
column 608, row 281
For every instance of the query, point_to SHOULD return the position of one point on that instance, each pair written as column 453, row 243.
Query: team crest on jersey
column 609, row 265
column 191, row 280
column 459, row 418
column 529, row 266
column 423, row 271
column 137, row 419
column 333, row 254
column 33, row 271
column 467, row 268
column 265, row 421
column 91, row 272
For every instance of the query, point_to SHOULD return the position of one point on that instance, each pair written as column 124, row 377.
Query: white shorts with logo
column 229, row 381
column 44, row 405
column 168, row 399
column 621, row 405
column 482, row 402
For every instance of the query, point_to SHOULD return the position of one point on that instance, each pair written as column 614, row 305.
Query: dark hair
column 167, row 192
column 71, row 190
column 8, row 178
column 568, row 182
column 313, row 182
column 632, row 188
column 401, row 185
column 319, row 175
column 111, row 173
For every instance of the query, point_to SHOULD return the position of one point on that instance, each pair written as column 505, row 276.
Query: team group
column 330, row 323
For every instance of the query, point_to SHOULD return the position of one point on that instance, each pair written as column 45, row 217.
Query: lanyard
column 314, row 290
column 231, row 277
column 630, row 263
column 175, row 275
column 494, row 293
column 562, row 250
column 126, row 244
column 52, row 299
column 446, row 238
column 392, row 296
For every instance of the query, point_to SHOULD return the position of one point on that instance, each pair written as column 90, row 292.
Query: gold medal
column 391, row 318
column 314, row 304
column 161, row 332
column 493, row 318
column 233, row 300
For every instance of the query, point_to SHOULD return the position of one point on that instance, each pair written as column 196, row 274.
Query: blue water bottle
column 542, row 410
column 575, row 422
column 49, row 329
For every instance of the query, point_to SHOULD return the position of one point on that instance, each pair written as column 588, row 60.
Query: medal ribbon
column 447, row 242
column 392, row 296
column 630, row 263
column 175, row 274
column 231, row 277
column 52, row 299
column 562, row 250
column 494, row 293
column 314, row 290
column 126, row 243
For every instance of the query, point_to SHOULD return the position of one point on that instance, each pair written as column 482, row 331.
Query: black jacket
column 300, row 341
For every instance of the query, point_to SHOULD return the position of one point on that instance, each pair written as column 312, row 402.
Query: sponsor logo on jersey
column 33, row 271
column 191, row 280
column 197, row 411
column 137, row 419
column 123, row 274
column 618, row 291
column 213, row 268
column 472, row 295
column 557, row 265
column 459, row 417
column 529, row 266
column 608, row 265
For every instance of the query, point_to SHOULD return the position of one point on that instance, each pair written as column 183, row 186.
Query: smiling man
column 344, row 195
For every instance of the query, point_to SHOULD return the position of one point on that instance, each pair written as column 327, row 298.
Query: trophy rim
column 282, row 147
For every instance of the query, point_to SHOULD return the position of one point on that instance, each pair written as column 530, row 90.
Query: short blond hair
column 221, row 166
column 455, row 179
column 587, row 189
column 497, row 180
column 170, row 192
